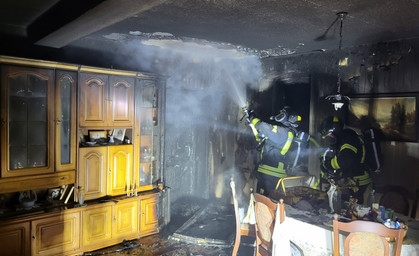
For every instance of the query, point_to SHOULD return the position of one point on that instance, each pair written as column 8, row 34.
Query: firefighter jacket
column 277, row 142
column 350, row 157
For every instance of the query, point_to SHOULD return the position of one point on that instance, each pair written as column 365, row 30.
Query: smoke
column 201, row 77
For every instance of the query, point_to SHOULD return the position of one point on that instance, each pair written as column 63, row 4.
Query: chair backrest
column 366, row 233
column 265, row 210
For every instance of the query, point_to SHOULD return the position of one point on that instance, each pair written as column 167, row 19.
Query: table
column 313, row 233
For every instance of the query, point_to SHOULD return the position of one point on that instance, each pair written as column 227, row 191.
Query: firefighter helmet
column 331, row 125
column 288, row 118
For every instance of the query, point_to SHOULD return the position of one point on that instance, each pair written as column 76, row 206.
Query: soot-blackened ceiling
column 271, row 27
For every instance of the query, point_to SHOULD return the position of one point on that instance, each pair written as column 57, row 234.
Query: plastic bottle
column 371, row 198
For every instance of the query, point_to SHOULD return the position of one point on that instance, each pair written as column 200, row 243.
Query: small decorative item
column 69, row 195
column 119, row 134
column 27, row 199
column 81, row 137
column 97, row 135
column 80, row 196
column 111, row 139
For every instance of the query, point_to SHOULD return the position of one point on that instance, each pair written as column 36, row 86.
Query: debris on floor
column 155, row 245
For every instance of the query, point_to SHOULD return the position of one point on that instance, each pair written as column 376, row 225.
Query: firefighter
column 345, row 166
column 274, row 143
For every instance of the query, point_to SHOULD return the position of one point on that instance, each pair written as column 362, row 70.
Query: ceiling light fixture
column 338, row 100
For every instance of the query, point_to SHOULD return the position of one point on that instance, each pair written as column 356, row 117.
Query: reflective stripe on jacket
column 364, row 179
column 272, row 171
column 334, row 161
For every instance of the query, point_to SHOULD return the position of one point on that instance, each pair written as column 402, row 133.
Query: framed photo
column 96, row 135
column 395, row 116
column 118, row 134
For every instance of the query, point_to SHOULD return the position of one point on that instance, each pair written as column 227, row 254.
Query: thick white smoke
column 200, row 76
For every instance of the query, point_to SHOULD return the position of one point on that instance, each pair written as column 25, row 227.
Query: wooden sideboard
column 73, row 230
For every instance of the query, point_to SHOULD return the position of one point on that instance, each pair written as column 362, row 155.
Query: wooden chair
column 364, row 235
column 265, row 210
column 242, row 229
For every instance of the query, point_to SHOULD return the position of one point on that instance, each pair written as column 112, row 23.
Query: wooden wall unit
column 41, row 118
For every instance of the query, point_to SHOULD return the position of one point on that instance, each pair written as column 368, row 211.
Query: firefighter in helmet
column 345, row 166
column 274, row 143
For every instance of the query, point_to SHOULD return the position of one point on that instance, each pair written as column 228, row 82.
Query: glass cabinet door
column 26, row 118
column 148, row 115
column 65, row 120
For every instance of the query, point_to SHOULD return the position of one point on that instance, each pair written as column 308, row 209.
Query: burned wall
column 383, row 69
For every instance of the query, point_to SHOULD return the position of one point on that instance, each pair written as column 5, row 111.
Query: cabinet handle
column 33, row 237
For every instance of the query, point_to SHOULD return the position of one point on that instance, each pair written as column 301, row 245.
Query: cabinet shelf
column 85, row 145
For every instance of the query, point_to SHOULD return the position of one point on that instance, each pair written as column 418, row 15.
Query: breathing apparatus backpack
column 373, row 154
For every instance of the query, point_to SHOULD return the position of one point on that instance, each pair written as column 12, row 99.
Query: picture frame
column 119, row 134
column 394, row 115
column 96, row 135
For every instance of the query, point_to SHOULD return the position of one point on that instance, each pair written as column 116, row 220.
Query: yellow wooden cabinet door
column 14, row 239
column 120, row 169
column 125, row 218
column 149, row 215
column 97, row 225
column 121, row 101
column 93, row 99
column 93, row 171
column 55, row 235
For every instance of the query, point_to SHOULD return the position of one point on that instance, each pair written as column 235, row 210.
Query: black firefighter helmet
column 331, row 125
column 288, row 118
